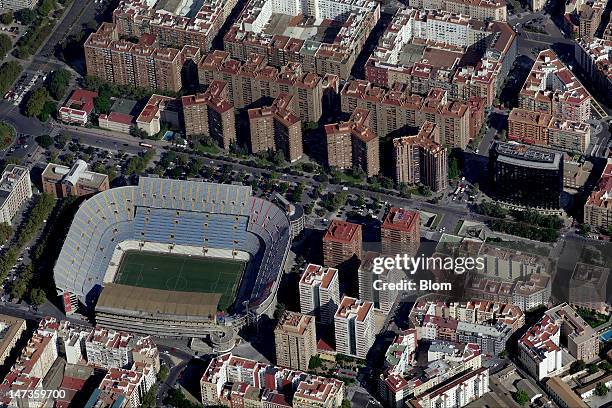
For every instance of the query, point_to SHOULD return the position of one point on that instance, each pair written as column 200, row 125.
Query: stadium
column 174, row 258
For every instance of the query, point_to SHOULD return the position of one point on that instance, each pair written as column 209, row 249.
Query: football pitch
column 182, row 273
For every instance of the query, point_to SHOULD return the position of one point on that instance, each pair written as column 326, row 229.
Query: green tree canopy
column 521, row 397
column 5, row 45
column 45, row 141
column 25, row 16
column 36, row 102
column 58, row 83
column 6, row 18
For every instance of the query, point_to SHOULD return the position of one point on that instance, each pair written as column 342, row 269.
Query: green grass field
column 182, row 273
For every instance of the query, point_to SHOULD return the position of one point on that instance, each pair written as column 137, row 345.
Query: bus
column 143, row 144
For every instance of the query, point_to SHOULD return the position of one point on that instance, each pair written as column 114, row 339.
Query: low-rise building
column 63, row 181
column 116, row 122
column 15, row 190
column 462, row 391
column 78, row 107
column 159, row 109
column 562, row 394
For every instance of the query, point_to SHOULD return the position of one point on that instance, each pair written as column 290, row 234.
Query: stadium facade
column 209, row 218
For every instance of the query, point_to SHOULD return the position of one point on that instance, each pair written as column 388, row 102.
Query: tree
column 6, row 18
column 62, row 139
column 315, row 362
column 58, row 83
column 36, row 102
column 102, row 104
column 163, row 373
column 592, row 368
column 37, row 296
column 601, row 389
column 45, row 141
column 49, row 108
column 521, row 397
column 5, row 45
column 346, row 403
column 279, row 311
column 9, row 71
column 25, row 16
column 149, row 399
column 5, row 231
column 577, row 366
column 46, row 7
column 453, row 167
column 605, row 365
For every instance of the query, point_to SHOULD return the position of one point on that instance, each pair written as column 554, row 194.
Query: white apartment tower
column 354, row 327
column 319, row 292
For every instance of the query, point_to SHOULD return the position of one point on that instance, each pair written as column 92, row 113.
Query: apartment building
column 526, row 176
column 488, row 324
column 280, row 44
column 541, row 128
column 462, row 391
column 210, row 114
column 341, row 242
column 598, row 207
column 31, row 367
column 552, row 88
column 588, row 287
column 422, row 49
column 398, row 108
column 122, row 387
column 581, row 339
column 593, row 55
column 17, row 4
column 479, row 10
column 370, row 283
column 525, row 293
column 253, row 80
column 511, row 265
column 539, row 350
column 11, row 330
column 142, row 65
column 353, row 143
column 400, row 232
column 231, row 380
column 319, row 292
column 116, row 122
column 173, row 24
column 15, row 190
column 354, row 327
column 108, row 348
column 413, row 369
column 277, row 128
column 63, row 181
column 295, row 340
column 421, row 159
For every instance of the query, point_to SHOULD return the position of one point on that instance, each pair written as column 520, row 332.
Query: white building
column 319, row 292
column 17, row 4
column 112, row 349
column 15, row 190
column 354, row 327
column 458, row 393
column 539, row 350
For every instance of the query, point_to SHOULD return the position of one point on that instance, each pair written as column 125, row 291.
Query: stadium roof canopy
column 158, row 302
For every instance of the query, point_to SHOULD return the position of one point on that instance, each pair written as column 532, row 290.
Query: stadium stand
column 191, row 213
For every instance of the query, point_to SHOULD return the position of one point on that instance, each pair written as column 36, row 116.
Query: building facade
column 295, row 340
column 62, row 181
column 354, row 327
column 319, row 292
column 15, row 190
column 341, row 242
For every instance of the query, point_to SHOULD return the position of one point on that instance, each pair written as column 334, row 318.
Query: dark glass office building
column 526, row 176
